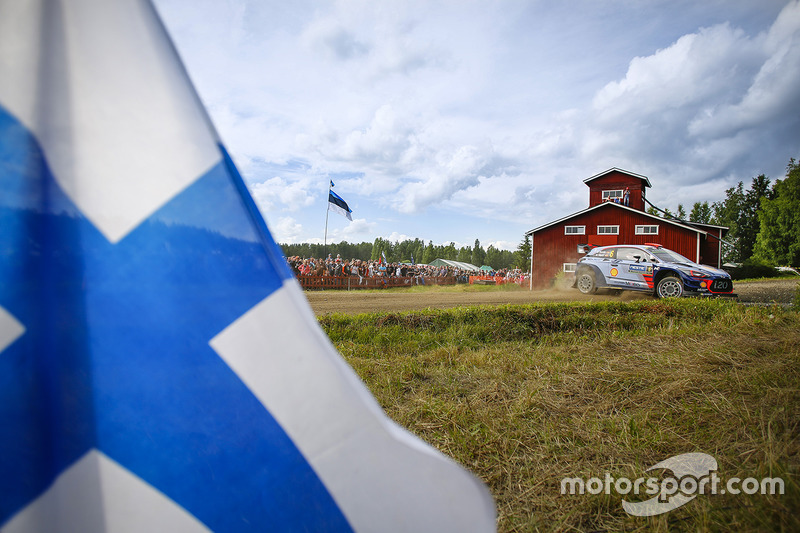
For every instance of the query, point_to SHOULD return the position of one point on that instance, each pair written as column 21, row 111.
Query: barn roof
column 615, row 169
column 619, row 206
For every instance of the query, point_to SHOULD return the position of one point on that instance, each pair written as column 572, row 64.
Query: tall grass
column 527, row 395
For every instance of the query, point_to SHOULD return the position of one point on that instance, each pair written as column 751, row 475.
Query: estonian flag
column 337, row 205
column 160, row 368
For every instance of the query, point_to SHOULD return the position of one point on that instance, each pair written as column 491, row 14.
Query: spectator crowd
column 363, row 269
column 368, row 269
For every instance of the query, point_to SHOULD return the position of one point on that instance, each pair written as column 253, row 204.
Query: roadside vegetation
column 525, row 396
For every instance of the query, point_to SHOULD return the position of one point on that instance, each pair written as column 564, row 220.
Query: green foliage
column 523, row 255
column 493, row 257
column 753, row 269
column 449, row 252
column 345, row 249
column 739, row 212
column 701, row 212
column 403, row 250
column 429, row 254
column 779, row 217
column 478, row 255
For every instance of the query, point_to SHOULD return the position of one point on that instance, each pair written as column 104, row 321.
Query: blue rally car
column 649, row 268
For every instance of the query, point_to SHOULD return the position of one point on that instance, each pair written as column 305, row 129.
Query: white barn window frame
column 574, row 230
column 647, row 229
column 570, row 267
column 607, row 230
column 613, row 194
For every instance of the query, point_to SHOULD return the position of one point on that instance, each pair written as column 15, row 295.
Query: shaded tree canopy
column 778, row 241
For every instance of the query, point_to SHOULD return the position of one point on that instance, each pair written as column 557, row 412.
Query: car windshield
column 668, row 256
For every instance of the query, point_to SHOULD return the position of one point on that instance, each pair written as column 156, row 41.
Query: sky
column 456, row 120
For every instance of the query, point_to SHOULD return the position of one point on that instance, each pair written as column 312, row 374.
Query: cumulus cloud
column 454, row 172
column 383, row 144
column 773, row 93
column 279, row 193
column 287, row 230
column 691, row 109
column 335, row 39
column 458, row 111
column 359, row 230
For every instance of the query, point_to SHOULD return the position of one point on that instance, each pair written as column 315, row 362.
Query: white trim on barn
column 642, row 229
column 615, row 169
column 576, row 230
column 604, row 229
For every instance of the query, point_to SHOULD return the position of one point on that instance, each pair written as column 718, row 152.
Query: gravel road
column 352, row 302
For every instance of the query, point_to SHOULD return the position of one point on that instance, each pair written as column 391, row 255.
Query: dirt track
column 351, row 302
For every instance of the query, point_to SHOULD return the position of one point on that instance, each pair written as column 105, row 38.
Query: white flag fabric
column 160, row 369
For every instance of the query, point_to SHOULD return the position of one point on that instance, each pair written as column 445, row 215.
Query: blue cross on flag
column 160, row 369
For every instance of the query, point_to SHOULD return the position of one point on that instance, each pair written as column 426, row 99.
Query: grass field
column 527, row 395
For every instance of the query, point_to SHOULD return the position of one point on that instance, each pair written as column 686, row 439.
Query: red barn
column 616, row 215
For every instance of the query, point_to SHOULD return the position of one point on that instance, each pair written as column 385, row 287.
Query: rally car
column 648, row 268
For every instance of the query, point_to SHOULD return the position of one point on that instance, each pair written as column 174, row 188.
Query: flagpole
column 327, row 212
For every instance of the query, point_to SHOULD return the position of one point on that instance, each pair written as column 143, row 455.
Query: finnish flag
column 160, row 369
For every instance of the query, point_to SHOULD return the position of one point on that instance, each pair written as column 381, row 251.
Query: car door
column 634, row 268
column 603, row 261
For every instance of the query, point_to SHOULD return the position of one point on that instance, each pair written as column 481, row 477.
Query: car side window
column 629, row 254
column 604, row 254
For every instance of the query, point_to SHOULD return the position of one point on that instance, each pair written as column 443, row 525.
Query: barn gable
column 614, row 185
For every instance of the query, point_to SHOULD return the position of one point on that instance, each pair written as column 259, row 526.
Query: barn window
column 574, row 230
column 570, row 267
column 612, row 195
column 647, row 230
column 608, row 230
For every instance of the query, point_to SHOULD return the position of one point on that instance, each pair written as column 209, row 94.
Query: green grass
column 527, row 395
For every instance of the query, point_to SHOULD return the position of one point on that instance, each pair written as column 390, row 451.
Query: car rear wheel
column 586, row 283
column 669, row 287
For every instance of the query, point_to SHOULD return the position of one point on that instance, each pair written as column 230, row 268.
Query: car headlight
column 698, row 274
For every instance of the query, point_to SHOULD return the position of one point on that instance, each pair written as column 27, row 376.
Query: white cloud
column 502, row 245
column 773, row 93
column 280, row 194
column 399, row 237
column 691, row 110
column 492, row 112
column 454, row 172
column 287, row 230
column 358, row 230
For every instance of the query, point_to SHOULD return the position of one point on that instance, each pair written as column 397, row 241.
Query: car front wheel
column 669, row 287
column 586, row 283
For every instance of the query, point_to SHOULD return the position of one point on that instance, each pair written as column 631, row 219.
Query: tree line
column 415, row 249
column 764, row 219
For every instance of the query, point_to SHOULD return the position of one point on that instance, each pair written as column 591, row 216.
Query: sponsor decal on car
column 641, row 268
column 614, row 272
